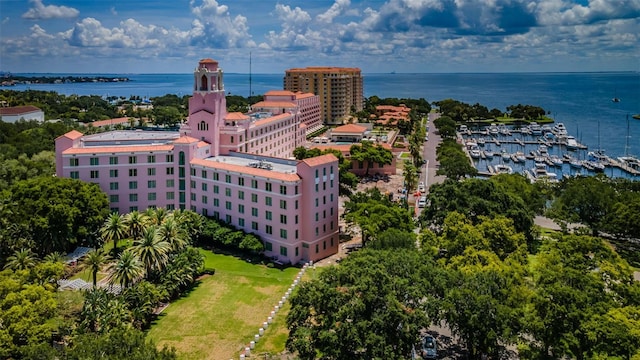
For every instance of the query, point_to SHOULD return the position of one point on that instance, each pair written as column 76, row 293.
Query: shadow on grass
column 249, row 257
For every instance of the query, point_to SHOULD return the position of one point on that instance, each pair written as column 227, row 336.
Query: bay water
column 582, row 101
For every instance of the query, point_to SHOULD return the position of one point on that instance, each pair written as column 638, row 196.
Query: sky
column 378, row 36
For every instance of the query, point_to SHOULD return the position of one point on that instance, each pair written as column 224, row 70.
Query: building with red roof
column 15, row 113
column 231, row 166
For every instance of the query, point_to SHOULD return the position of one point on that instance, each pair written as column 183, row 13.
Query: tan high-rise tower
column 339, row 89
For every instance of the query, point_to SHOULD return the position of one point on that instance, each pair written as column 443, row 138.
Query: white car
column 421, row 187
column 422, row 202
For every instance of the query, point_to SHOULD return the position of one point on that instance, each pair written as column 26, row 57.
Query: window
column 241, row 222
column 227, row 205
column 192, row 184
column 317, row 203
column 151, row 159
column 268, row 246
column 269, row 229
column 133, row 197
column 254, row 198
column 227, row 191
column 254, row 183
column 241, row 195
column 324, row 171
column 113, row 160
column 193, row 196
column 204, row 199
column 267, row 186
column 216, row 177
column 283, row 250
column 170, row 195
column 227, row 219
column 114, row 198
column 296, row 204
column 133, row 208
column 151, row 184
column 296, row 238
column 268, row 215
column 241, row 208
column 254, row 225
column 254, row 211
column 151, row 172
column 75, row 175
column 151, row 196
column 227, row 179
column 296, row 190
column 216, row 189
column 267, row 200
column 296, row 219
column 170, row 171
column 133, row 160
column 283, row 218
column 133, row 172
column 331, row 197
column 169, row 158
column 181, row 158
column 181, row 184
column 193, row 172
column 317, row 248
column 241, row 181
column 204, row 187
column 283, row 190
column 95, row 174
column 283, row 204
column 203, row 174
column 317, row 187
column 94, row 161
column 296, row 251
column 216, row 202
column 317, row 173
column 170, row 183
column 73, row 162
column 113, row 186
column 324, row 199
column 133, row 185
column 316, row 216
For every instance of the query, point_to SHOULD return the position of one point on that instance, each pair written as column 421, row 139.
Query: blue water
column 579, row 100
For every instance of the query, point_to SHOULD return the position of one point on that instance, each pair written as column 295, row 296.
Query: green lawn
column 222, row 314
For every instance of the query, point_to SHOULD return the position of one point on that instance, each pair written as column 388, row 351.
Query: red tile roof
column 208, row 61
column 18, row 110
column 319, row 160
column 236, row 116
column 246, row 170
column 270, row 119
column 278, row 104
column 186, row 140
column 279, row 93
column 122, row 120
column 73, row 134
column 117, row 149
column 350, row 128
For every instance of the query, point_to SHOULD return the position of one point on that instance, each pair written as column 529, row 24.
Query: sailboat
column 629, row 160
column 615, row 98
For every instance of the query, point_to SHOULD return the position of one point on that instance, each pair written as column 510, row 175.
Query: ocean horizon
column 581, row 100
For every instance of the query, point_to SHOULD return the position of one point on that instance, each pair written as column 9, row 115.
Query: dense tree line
column 461, row 112
column 481, row 269
column 347, row 180
column 223, row 235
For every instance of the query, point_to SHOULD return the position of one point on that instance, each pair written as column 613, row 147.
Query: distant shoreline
column 13, row 79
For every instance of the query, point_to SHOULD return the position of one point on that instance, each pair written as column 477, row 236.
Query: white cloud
column 340, row 6
column 5, row 20
column 214, row 27
column 41, row 12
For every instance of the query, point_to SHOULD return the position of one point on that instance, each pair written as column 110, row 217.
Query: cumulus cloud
column 339, row 7
column 214, row 26
column 39, row 11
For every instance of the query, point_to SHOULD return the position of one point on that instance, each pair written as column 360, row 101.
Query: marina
column 540, row 152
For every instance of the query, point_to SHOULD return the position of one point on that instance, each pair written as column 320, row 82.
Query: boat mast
column 626, row 146
column 250, row 92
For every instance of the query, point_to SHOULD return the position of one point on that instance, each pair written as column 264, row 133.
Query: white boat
column 540, row 172
column 571, row 144
column 505, row 155
column 493, row 129
column 559, row 129
column 546, row 129
column 475, row 153
column 488, row 153
column 503, row 169
column 504, row 130
column 597, row 155
column 542, row 149
column 597, row 166
column 575, row 163
column 630, row 161
column 535, row 128
column 463, row 128
column 525, row 130
column 481, row 141
column 520, row 156
column 555, row 159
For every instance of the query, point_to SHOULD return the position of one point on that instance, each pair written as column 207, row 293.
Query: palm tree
column 114, row 230
column 126, row 270
column 95, row 260
column 152, row 250
column 21, row 260
column 157, row 216
column 173, row 234
column 135, row 223
column 54, row 257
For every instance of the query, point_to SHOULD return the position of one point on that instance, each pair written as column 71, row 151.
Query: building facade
column 15, row 113
column 230, row 166
column 340, row 89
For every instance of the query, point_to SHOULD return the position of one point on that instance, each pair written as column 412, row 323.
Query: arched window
column 181, row 158
column 203, row 83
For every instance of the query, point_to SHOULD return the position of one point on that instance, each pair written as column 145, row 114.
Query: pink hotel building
column 232, row 166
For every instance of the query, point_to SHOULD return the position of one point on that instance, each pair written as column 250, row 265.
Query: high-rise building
column 231, row 166
column 340, row 89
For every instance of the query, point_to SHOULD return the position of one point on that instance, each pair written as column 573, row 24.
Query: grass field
column 224, row 311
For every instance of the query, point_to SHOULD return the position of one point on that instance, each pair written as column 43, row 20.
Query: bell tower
column 208, row 105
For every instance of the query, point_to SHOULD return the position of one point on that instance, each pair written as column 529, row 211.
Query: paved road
column 429, row 153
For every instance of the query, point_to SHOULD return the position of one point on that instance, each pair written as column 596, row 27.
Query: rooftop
column 18, row 110
column 272, row 168
column 131, row 137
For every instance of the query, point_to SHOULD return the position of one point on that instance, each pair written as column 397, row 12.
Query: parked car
column 421, row 187
column 429, row 347
column 422, row 202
